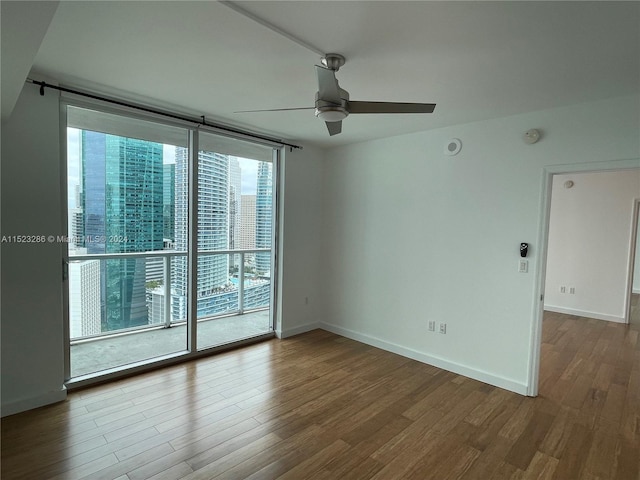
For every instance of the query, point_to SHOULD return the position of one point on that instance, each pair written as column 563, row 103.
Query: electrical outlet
column 572, row 290
column 443, row 328
column 563, row 289
column 432, row 325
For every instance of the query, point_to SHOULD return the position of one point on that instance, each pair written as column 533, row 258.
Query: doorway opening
column 568, row 293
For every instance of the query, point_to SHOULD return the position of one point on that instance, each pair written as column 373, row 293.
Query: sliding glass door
column 132, row 217
column 234, row 230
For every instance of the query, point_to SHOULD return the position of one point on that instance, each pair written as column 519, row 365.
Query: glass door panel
column 235, row 231
column 124, row 192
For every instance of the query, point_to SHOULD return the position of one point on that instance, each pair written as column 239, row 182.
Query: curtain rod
column 201, row 121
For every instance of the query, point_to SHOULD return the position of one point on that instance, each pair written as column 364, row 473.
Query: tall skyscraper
column 235, row 185
column 123, row 212
column 169, row 200
column 213, row 220
column 264, row 209
column 84, row 298
column 179, row 278
column 76, row 228
column 247, row 236
column 213, row 230
column 155, row 265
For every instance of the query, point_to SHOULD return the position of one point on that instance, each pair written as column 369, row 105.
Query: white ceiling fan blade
column 334, row 127
column 389, row 107
column 328, row 89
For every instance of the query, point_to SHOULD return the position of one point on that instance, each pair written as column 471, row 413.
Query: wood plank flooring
column 634, row 318
column 319, row 406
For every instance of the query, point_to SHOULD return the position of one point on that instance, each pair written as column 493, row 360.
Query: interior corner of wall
column 24, row 404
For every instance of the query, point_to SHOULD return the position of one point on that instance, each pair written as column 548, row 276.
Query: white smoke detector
column 531, row 136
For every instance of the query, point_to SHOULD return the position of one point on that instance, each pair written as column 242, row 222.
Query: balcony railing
column 97, row 294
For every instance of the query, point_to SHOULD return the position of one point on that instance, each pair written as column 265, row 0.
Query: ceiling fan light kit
column 332, row 103
column 331, row 113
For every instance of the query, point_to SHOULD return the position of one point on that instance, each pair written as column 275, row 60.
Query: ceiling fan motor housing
column 329, row 111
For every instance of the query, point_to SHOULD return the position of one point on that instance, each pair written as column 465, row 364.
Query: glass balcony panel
column 217, row 293
column 221, row 306
column 119, row 313
column 257, row 284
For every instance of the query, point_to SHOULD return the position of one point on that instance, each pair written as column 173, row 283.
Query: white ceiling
column 476, row 60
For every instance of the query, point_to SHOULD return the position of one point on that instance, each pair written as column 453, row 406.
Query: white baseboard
column 445, row 364
column 584, row 313
column 290, row 332
column 23, row 405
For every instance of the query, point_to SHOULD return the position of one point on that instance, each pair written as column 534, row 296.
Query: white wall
column 589, row 242
column 32, row 338
column 300, row 234
column 412, row 235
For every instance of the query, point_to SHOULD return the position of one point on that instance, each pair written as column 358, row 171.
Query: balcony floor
column 118, row 350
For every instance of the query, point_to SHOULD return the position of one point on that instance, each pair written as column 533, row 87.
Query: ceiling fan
column 332, row 102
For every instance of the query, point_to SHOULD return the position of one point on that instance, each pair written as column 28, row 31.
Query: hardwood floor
column 319, row 406
column 634, row 318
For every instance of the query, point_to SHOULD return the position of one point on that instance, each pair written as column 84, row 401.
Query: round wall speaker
column 453, row 146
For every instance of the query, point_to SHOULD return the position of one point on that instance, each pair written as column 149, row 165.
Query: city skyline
column 248, row 167
column 127, row 188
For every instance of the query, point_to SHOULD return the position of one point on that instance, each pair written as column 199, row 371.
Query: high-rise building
column 122, row 182
column 235, row 186
column 213, row 220
column 247, row 235
column 154, row 270
column 247, row 231
column 169, row 200
column 264, row 211
column 179, row 278
column 155, row 301
column 76, row 228
column 84, row 298
column 154, row 267
column 213, row 231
